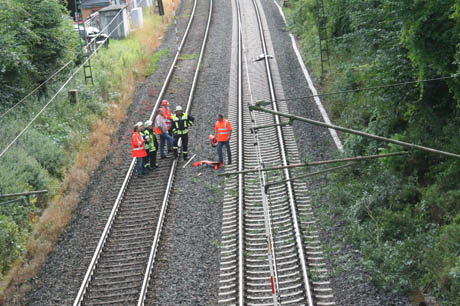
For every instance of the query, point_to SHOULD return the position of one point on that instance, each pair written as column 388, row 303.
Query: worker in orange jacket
column 167, row 115
column 223, row 129
column 138, row 149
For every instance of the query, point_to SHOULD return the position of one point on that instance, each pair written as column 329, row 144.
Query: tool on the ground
column 191, row 158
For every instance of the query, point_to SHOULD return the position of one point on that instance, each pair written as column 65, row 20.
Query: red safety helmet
column 165, row 103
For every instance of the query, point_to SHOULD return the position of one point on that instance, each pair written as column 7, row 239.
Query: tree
column 36, row 38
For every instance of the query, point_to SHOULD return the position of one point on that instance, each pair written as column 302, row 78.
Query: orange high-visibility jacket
column 223, row 129
column 167, row 114
column 137, row 144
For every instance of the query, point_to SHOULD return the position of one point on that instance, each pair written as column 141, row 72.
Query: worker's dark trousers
column 220, row 144
column 153, row 158
column 184, row 144
column 140, row 166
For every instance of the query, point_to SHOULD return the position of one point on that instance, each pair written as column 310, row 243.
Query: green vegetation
column 68, row 140
column 35, row 40
column 153, row 65
column 189, row 56
column 402, row 212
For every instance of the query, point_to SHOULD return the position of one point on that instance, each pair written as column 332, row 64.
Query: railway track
column 122, row 263
column 271, row 253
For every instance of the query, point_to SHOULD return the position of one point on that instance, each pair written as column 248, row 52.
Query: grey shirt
column 161, row 124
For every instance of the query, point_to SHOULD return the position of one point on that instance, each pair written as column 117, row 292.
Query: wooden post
column 73, row 96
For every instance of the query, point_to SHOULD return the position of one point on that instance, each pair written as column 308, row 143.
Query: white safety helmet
column 148, row 123
column 178, row 108
column 139, row 124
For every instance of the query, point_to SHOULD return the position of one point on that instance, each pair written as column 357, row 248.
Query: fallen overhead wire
column 56, row 94
column 63, row 67
column 296, row 178
column 316, row 163
column 356, row 132
column 36, row 88
column 372, row 88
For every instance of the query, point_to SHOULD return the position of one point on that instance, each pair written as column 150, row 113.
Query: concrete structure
column 90, row 6
column 137, row 18
column 121, row 23
column 145, row 3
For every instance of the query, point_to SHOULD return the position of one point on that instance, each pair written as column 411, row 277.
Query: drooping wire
column 56, row 94
column 36, row 88
column 372, row 88
column 60, row 69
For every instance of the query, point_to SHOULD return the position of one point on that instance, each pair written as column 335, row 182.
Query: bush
column 443, row 264
column 35, row 40
column 396, row 208
column 20, row 171
column 11, row 242
column 397, row 265
column 48, row 154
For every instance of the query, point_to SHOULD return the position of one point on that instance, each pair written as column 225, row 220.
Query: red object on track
column 207, row 163
column 216, row 167
column 273, row 285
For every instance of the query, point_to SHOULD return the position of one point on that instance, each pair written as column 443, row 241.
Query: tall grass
column 65, row 146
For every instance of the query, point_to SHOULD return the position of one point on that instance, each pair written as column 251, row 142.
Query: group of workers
column 171, row 128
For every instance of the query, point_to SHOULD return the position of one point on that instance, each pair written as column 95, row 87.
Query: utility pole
column 85, row 51
column 322, row 32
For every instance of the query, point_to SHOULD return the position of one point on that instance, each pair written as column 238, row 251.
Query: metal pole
column 351, row 131
column 322, row 162
column 253, row 129
column 27, row 193
column 307, row 175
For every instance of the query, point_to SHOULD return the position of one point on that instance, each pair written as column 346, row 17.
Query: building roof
column 116, row 7
column 95, row 3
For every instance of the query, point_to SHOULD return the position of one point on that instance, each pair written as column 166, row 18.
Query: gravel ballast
column 187, row 269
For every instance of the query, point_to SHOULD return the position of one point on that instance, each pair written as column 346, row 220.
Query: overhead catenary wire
column 36, row 88
column 356, row 132
column 60, row 69
column 371, row 88
column 55, row 95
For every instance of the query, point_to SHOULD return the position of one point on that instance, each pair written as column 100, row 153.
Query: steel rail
column 156, row 240
column 267, row 212
column 173, row 65
column 107, row 228
column 240, row 142
column 104, row 236
column 289, row 186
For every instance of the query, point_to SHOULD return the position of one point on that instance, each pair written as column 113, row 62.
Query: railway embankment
column 82, row 136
